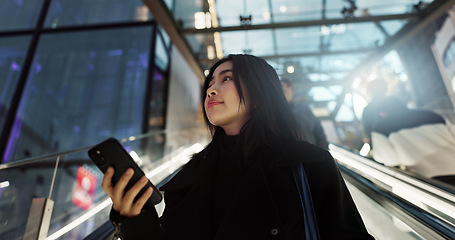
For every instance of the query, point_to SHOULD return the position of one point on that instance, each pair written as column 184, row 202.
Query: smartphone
column 111, row 153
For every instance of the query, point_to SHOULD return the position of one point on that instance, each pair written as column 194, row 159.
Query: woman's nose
column 211, row 92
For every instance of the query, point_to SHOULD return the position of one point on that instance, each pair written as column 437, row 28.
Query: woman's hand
column 123, row 202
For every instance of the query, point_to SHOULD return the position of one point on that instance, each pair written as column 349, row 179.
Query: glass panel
column 229, row 11
column 78, row 210
column 296, row 10
column 355, row 36
column 385, row 7
column 170, row 4
column 19, row 14
column 161, row 54
column 166, row 38
column 155, row 149
column 340, row 62
column 69, row 13
column 233, row 42
column 392, row 27
column 12, row 54
column 84, row 85
column 258, row 42
column 334, row 8
column 298, row 40
column 184, row 11
column 325, row 93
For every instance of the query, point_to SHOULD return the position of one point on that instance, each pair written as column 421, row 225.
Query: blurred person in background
column 377, row 91
column 311, row 126
column 420, row 141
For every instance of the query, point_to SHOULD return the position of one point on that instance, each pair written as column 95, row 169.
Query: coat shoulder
column 295, row 152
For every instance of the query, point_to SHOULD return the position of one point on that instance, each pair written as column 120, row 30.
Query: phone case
column 111, row 153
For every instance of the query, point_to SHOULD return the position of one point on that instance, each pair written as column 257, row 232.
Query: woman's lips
column 213, row 103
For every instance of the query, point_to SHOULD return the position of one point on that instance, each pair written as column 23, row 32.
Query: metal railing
column 73, row 183
column 427, row 207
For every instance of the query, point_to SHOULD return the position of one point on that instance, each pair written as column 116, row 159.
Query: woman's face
column 222, row 102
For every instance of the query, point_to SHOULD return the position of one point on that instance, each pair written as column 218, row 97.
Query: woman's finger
column 106, row 184
column 119, row 189
column 139, row 204
column 134, row 191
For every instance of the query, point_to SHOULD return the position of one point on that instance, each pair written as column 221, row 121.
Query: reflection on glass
column 161, row 54
column 155, row 144
column 12, row 54
column 87, row 85
column 19, row 14
column 69, row 13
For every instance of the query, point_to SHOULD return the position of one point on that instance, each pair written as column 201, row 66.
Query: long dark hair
column 272, row 121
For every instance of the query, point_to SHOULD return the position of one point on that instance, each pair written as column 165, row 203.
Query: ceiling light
column 211, row 52
column 325, row 30
column 4, row 184
column 290, row 69
column 283, row 8
column 199, row 20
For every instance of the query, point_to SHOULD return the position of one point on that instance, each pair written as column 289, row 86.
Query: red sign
column 84, row 190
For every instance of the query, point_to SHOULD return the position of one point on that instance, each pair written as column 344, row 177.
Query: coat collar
column 290, row 153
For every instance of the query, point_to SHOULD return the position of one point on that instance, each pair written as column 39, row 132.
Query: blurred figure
column 420, row 141
column 311, row 126
column 377, row 90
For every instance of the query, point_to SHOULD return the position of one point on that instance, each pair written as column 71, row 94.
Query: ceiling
column 323, row 45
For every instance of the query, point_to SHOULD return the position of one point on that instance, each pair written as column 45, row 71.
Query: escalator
column 393, row 204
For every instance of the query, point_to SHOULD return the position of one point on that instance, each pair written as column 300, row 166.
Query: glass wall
column 83, row 87
column 12, row 54
column 84, row 84
column 69, row 12
column 18, row 15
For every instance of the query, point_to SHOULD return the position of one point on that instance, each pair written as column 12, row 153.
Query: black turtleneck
column 229, row 171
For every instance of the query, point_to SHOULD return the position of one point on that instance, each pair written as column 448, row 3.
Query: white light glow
column 365, row 149
column 372, row 76
column 356, row 83
column 211, row 52
column 80, row 219
column 136, row 158
column 266, row 15
column 208, row 20
column 325, row 30
column 359, row 103
column 290, row 69
column 4, row 184
column 283, row 9
column 199, row 20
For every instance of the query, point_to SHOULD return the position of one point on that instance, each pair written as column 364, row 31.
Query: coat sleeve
column 144, row 226
column 336, row 213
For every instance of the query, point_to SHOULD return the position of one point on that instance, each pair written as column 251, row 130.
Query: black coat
column 310, row 125
column 265, row 205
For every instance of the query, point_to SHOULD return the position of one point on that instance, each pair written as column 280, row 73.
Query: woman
column 241, row 185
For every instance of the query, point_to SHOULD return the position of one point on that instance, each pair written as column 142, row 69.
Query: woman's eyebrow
column 223, row 72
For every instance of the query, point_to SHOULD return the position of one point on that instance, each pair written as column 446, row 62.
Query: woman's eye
column 227, row 78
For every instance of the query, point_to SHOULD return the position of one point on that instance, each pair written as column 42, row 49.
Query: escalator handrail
column 37, row 159
column 428, row 219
